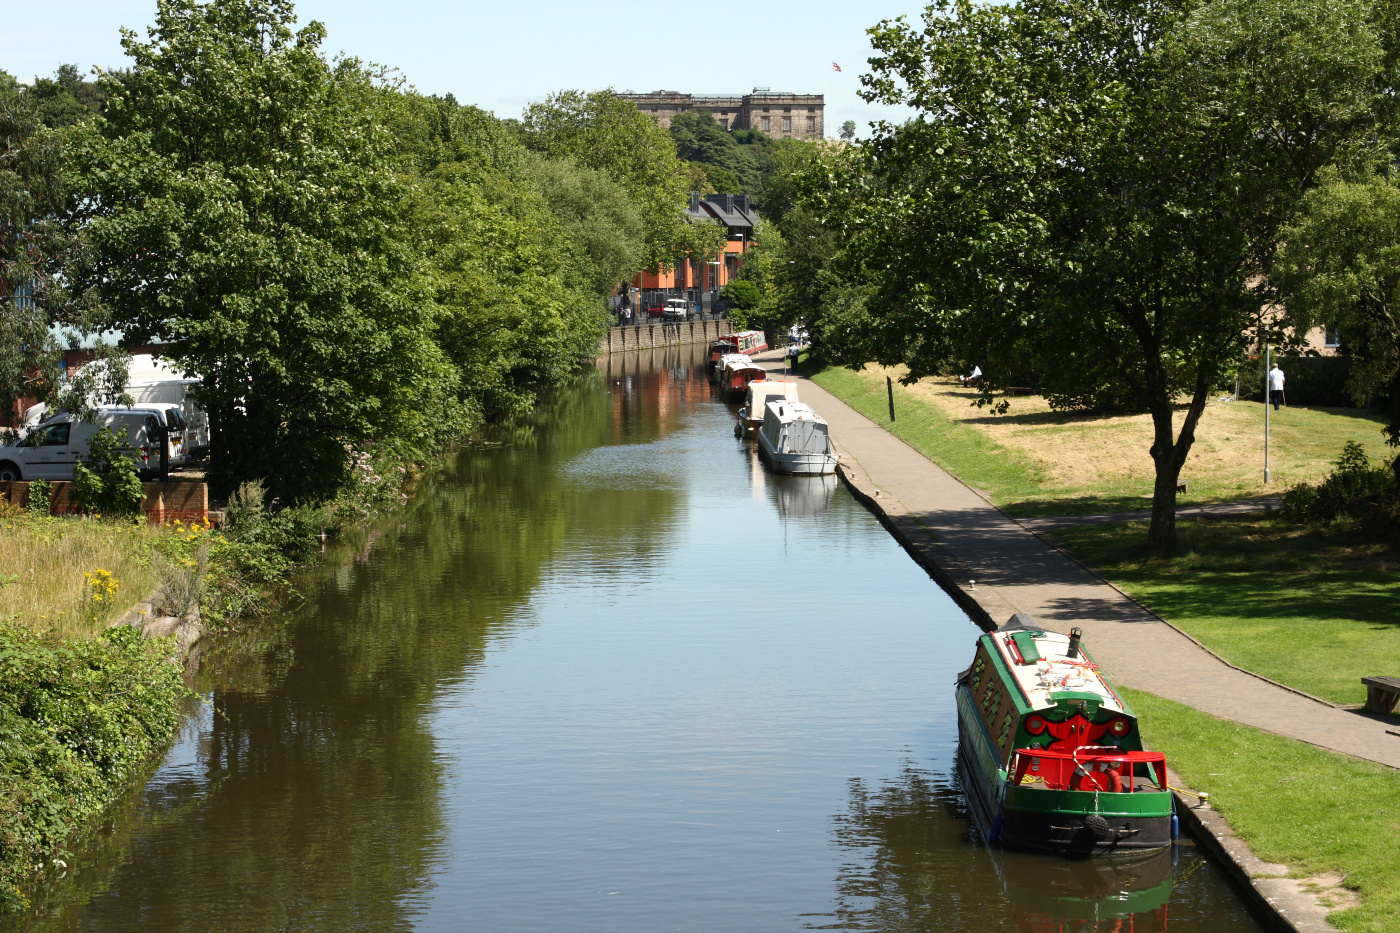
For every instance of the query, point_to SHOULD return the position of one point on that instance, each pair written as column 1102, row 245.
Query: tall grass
column 43, row 560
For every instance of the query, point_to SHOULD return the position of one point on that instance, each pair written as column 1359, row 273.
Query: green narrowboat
column 1049, row 751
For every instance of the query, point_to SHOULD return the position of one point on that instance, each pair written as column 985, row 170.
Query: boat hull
column 1063, row 822
column 796, row 464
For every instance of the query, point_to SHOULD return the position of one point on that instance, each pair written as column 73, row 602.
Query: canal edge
column 1282, row 903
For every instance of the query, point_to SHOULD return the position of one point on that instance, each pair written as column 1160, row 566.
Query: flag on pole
column 835, row 67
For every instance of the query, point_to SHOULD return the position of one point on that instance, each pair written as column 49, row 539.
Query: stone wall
column 641, row 336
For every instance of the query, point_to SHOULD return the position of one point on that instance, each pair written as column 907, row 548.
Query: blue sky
column 502, row 55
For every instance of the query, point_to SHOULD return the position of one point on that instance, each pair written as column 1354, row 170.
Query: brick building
column 777, row 113
column 701, row 278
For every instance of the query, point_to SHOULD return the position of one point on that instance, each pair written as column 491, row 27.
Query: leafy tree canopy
column 243, row 209
column 1092, row 191
column 601, row 131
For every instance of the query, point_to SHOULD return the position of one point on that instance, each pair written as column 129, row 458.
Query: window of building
column 765, row 125
column 787, row 124
column 724, row 123
column 811, row 126
column 1331, row 338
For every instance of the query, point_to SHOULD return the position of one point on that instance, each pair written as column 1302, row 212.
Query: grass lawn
column 1033, row 461
column 1313, row 608
column 1294, row 804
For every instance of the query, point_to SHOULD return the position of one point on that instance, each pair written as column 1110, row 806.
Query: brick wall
column 163, row 502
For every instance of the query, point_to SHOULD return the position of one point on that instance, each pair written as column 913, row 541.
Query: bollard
column 889, row 387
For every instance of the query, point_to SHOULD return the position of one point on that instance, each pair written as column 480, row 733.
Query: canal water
column 601, row 674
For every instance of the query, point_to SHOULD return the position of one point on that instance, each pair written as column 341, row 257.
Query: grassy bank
column 1311, row 607
column 1033, row 461
column 1312, row 810
column 84, row 705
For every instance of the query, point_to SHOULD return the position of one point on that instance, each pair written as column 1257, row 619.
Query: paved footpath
column 994, row 566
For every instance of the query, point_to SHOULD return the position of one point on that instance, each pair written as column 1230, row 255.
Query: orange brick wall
column 164, row 502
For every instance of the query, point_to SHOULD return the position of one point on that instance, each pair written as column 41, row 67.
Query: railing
column 644, row 320
column 1089, row 767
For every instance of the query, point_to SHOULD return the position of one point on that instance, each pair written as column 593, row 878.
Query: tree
column 601, row 131
column 243, row 208
column 848, row 130
column 736, row 164
column 35, row 247
column 1092, row 193
column 1340, row 267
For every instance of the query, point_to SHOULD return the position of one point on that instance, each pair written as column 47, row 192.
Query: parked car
column 655, row 310
column 678, row 309
column 54, row 448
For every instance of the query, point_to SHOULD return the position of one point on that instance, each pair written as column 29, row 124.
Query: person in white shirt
column 971, row 380
column 1276, row 386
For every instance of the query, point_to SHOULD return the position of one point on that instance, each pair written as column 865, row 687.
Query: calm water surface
column 603, row 675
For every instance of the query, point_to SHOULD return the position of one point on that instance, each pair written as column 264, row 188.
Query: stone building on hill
column 778, row 113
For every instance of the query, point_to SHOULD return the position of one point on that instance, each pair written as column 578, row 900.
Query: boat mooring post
column 889, row 387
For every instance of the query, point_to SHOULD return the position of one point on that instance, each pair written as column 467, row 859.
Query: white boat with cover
column 794, row 439
column 756, row 399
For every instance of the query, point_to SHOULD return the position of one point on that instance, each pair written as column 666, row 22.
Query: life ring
column 1084, row 779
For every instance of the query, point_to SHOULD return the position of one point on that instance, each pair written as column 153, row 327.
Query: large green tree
column 1091, row 193
column 243, row 207
column 599, row 130
column 36, row 246
column 1340, row 268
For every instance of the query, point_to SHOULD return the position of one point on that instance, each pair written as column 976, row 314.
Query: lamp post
column 1267, row 351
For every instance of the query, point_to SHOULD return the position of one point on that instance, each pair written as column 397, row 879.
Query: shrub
column 1354, row 489
column 105, row 480
column 78, row 717
column 40, row 493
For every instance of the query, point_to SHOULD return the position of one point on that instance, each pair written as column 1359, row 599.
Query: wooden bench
column 1382, row 694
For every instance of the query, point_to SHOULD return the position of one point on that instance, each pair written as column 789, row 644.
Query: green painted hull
column 1053, row 820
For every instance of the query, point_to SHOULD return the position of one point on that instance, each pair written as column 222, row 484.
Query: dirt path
column 994, row 566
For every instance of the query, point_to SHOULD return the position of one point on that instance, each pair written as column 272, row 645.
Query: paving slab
column 994, row 566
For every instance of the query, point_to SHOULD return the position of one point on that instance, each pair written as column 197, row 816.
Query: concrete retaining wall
column 164, row 502
column 642, row 336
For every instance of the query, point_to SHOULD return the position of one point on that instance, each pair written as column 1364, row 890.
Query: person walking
column 1276, row 386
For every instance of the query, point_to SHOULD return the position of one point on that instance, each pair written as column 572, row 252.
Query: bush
column 106, row 481
column 39, row 495
column 78, row 718
column 1354, row 490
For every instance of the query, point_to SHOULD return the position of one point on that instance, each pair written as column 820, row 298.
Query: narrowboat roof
column 1039, row 663
column 794, row 411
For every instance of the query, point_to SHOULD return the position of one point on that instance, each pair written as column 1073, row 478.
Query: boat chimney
column 1074, row 635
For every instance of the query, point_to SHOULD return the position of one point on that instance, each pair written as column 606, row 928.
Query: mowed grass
column 1034, row 461
column 1312, row 607
column 43, row 559
column 1312, row 810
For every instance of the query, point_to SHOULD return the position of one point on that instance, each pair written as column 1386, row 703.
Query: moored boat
column 737, row 372
column 1050, row 751
column 744, row 341
column 756, row 399
column 794, row 439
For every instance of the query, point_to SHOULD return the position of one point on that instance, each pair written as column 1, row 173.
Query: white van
column 64, row 439
column 152, row 383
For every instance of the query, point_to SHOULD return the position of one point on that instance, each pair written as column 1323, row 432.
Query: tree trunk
column 1169, row 456
column 1161, row 533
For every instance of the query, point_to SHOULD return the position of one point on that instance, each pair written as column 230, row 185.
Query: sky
column 504, row 55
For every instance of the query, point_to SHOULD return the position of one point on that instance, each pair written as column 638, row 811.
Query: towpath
column 994, row 566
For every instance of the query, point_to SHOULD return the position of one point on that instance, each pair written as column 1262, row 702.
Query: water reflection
column 801, row 496
column 915, row 863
